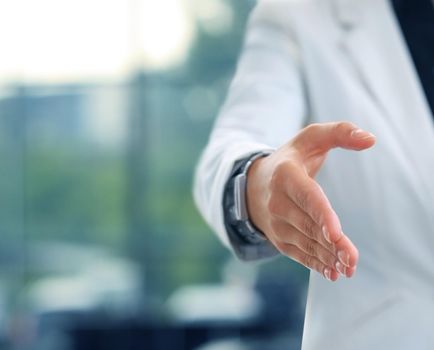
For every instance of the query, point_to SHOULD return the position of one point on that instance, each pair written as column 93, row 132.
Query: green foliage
column 75, row 192
column 75, row 197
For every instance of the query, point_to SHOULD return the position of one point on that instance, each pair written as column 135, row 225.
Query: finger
column 347, row 252
column 288, row 234
column 345, row 271
column 308, row 261
column 326, row 136
column 283, row 208
column 351, row 271
column 310, row 198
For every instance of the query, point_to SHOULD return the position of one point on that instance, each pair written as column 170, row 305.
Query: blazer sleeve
column 264, row 108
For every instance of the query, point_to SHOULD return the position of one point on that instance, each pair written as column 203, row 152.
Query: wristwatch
column 239, row 214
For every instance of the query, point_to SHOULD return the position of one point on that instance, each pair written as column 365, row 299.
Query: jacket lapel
column 370, row 37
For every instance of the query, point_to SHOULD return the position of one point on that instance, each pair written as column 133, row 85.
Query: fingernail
column 344, row 258
column 328, row 273
column 341, row 268
column 361, row 134
column 326, row 234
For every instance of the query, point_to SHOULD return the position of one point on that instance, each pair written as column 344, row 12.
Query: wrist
column 255, row 194
column 235, row 201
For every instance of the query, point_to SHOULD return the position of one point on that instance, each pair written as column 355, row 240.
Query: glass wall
column 105, row 107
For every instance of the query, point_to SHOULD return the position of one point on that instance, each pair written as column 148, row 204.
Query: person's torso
column 357, row 68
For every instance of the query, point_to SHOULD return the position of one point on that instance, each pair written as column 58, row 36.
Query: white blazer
column 310, row 61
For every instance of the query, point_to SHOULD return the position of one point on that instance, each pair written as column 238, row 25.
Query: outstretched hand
column 289, row 206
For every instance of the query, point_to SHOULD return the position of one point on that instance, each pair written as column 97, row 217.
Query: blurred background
column 105, row 106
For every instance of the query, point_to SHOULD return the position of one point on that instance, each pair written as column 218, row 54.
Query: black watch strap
column 248, row 242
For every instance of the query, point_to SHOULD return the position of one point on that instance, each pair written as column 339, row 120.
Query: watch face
column 240, row 197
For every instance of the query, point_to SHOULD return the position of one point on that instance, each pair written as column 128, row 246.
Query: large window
column 105, row 107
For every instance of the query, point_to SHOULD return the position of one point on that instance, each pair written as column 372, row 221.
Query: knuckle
column 343, row 127
column 302, row 198
column 285, row 249
column 300, row 140
column 312, row 127
column 313, row 264
column 331, row 261
column 327, row 259
column 280, row 247
column 280, row 174
column 308, row 227
column 318, row 266
column 308, row 261
column 310, row 248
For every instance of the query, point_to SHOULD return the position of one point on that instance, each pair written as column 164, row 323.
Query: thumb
column 323, row 137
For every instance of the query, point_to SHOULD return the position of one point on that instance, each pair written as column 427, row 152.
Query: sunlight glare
column 54, row 41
